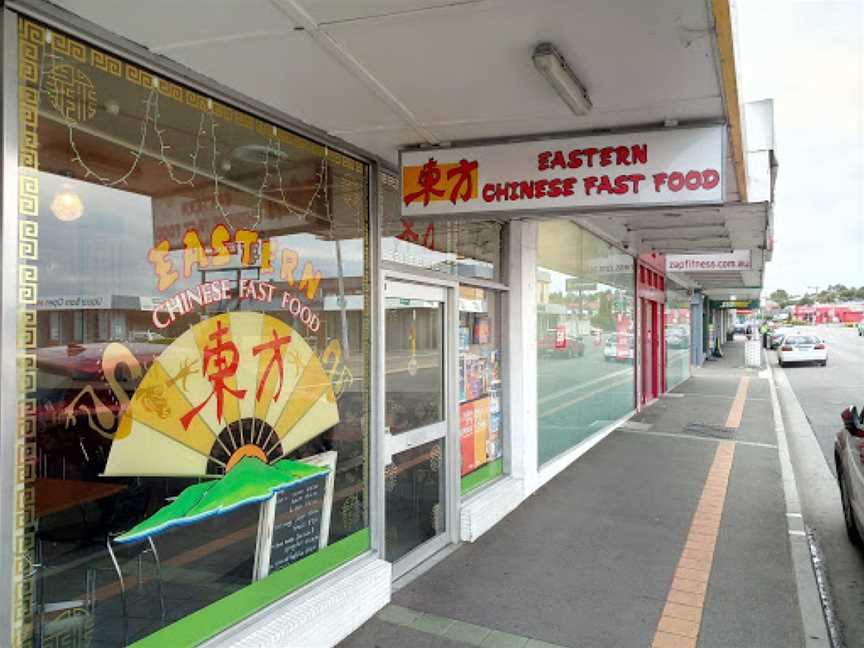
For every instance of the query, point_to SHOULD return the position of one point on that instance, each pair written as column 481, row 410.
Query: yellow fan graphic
column 235, row 385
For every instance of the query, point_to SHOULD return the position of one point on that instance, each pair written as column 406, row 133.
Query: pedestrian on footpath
column 764, row 331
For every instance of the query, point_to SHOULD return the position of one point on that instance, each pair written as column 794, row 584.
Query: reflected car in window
column 82, row 392
column 619, row 347
column 677, row 337
column 559, row 344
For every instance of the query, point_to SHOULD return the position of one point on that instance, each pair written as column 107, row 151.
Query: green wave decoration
column 249, row 482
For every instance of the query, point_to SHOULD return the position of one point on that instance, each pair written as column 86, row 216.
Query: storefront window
column 193, row 354
column 585, row 336
column 677, row 335
column 466, row 249
column 480, row 415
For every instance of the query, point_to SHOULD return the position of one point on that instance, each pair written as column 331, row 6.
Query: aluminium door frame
column 452, row 498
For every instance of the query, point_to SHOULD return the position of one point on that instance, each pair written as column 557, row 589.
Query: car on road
column 619, row 347
column 778, row 335
column 677, row 336
column 849, row 460
column 802, row 348
column 557, row 343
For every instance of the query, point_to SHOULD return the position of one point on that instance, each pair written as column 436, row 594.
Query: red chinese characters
column 463, row 172
column 430, row 176
column 225, row 358
column 409, row 235
column 275, row 345
column 459, row 182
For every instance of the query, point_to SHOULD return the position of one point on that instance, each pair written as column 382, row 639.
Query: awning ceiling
column 694, row 230
column 387, row 74
column 384, row 74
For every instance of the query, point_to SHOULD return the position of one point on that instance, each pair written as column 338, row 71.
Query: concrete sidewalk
column 671, row 533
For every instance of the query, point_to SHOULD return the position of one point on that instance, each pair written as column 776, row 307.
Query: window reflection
column 585, row 336
column 677, row 316
column 414, row 363
column 467, row 249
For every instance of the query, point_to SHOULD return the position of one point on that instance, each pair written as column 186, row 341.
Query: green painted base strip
column 224, row 613
column 483, row 474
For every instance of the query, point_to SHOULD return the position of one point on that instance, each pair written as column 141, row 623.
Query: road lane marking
column 590, row 394
column 583, row 385
column 681, row 618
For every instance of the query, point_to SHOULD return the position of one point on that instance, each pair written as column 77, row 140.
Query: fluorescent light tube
column 550, row 63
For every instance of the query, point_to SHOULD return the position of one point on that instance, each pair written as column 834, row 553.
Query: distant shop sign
column 735, row 261
column 74, row 302
column 574, row 285
column 663, row 167
column 737, row 304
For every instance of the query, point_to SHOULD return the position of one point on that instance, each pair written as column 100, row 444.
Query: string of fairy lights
column 206, row 130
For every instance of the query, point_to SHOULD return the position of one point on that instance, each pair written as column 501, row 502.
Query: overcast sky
column 807, row 55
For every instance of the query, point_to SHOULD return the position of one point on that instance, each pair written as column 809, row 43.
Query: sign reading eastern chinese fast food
column 677, row 166
column 242, row 249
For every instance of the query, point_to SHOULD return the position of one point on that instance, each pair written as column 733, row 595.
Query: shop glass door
column 417, row 410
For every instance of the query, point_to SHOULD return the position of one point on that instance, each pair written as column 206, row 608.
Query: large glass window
column 677, row 316
column 193, row 354
column 585, row 336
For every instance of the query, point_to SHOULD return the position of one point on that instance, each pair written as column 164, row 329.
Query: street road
column 823, row 392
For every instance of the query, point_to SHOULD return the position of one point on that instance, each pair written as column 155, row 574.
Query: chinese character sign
column 241, row 371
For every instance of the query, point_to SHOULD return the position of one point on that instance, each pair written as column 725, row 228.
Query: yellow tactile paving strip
column 737, row 410
column 682, row 615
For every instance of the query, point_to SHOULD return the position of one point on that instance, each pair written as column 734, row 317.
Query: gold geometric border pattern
column 31, row 41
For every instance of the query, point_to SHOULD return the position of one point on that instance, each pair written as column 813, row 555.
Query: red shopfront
column 651, row 292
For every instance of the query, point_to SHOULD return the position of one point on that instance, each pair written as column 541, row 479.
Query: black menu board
column 297, row 523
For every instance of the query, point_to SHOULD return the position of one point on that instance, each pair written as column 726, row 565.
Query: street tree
column 781, row 297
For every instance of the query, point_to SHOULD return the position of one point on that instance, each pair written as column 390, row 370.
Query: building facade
column 252, row 374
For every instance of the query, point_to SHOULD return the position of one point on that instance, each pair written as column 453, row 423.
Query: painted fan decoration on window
column 235, row 385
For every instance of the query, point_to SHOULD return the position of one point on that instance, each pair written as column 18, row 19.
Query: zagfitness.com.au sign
column 738, row 260
column 665, row 167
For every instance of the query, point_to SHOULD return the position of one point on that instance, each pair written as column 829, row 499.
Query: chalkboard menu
column 297, row 523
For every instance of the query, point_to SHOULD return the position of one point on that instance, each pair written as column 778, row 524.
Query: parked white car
column 802, row 348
